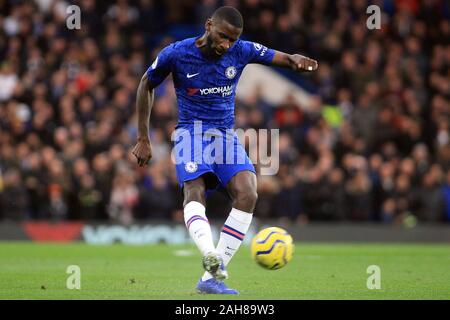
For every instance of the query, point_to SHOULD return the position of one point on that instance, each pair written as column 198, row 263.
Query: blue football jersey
column 206, row 88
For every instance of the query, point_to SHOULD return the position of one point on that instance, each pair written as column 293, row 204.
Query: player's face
column 221, row 36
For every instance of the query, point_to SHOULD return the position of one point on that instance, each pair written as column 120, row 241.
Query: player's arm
column 144, row 103
column 257, row 53
column 294, row 62
column 154, row 75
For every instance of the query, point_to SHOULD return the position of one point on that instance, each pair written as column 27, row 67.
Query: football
column 272, row 248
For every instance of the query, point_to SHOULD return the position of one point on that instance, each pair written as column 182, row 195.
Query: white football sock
column 198, row 226
column 231, row 236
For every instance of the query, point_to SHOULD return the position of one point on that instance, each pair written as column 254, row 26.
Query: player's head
column 223, row 29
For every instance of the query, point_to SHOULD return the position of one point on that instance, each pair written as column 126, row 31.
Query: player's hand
column 142, row 151
column 302, row 63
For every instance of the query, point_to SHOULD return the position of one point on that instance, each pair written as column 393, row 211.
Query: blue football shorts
column 215, row 154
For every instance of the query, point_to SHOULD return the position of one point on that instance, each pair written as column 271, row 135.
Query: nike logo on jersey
column 192, row 75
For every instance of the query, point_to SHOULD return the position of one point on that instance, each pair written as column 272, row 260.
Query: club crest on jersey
column 191, row 166
column 230, row 72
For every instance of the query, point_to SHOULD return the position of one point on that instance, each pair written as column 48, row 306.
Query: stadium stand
column 373, row 146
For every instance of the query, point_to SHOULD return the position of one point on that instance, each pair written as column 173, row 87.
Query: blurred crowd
column 373, row 146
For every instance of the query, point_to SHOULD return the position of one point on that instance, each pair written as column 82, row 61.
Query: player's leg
column 242, row 189
column 195, row 215
column 200, row 230
column 198, row 225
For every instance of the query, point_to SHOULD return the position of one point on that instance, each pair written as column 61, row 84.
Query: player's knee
column 194, row 192
column 194, row 195
column 246, row 199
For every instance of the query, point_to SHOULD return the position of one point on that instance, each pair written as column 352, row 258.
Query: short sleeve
column 161, row 67
column 257, row 53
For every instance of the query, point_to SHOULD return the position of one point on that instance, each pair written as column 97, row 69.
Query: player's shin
column 198, row 226
column 232, row 235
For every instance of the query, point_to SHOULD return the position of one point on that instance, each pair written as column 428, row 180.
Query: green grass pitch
column 317, row 271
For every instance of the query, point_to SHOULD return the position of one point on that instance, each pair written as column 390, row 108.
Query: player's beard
column 211, row 50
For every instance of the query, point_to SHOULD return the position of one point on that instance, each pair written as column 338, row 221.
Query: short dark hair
column 230, row 15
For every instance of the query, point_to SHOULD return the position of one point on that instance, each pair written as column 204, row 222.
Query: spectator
column 124, row 196
column 89, row 198
column 431, row 198
column 14, row 198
